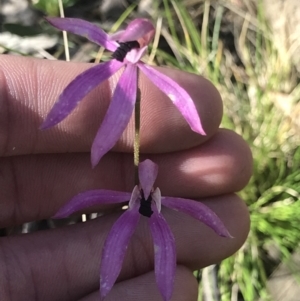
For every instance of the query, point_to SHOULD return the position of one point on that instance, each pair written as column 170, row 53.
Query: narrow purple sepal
column 198, row 211
column 90, row 198
column 164, row 254
column 115, row 247
column 148, row 171
column 117, row 115
column 78, row 89
column 86, row 29
column 180, row 98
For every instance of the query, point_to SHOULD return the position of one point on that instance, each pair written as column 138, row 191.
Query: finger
column 35, row 187
column 71, row 255
column 29, row 88
column 144, row 288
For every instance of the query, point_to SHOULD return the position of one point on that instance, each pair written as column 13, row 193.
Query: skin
column 42, row 170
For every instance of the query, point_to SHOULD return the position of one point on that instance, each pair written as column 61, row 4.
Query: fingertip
column 210, row 248
column 145, row 288
column 161, row 117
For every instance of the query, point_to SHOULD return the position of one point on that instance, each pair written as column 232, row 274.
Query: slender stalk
column 65, row 37
column 136, row 145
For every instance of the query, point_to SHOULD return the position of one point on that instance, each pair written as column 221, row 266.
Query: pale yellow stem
column 65, row 36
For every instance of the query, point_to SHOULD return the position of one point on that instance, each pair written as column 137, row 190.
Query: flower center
column 145, row 205
column 123, row 49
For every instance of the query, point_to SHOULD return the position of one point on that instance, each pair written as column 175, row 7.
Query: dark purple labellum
column 123, row 49
column 145, row 206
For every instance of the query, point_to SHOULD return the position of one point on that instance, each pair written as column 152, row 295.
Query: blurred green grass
column 50, row 7
column 261, row 95
column 255, row 95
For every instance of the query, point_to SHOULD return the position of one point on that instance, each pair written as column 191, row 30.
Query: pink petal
column 198, row 211
column 78, row 89
column 116, row 36
column 90, row 198
column 85, row 29
column 135, row 197
column 118, row 114
column 148, row 171
column 156, row 197
column 141, row 30
column 177, row 94
column 135, row 55
column 115, row 248
column 164, row 253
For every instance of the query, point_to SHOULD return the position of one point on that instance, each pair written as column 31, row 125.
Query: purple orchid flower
column 146, row 201
column 128, row 46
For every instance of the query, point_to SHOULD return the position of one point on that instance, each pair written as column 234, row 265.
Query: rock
column 28, row 45
column 17, row 11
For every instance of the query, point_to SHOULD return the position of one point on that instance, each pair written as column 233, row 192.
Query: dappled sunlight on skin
column 210, row 174
column 222, row 165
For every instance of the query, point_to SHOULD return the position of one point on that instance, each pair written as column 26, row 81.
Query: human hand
column 42, row 170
